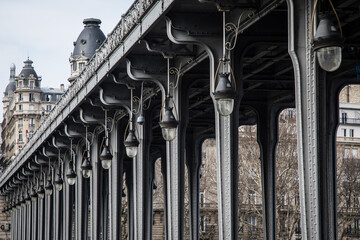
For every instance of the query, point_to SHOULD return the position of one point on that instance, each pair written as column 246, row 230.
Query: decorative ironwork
column 128, row 21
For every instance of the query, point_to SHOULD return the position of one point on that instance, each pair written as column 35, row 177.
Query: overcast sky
column 45, row 31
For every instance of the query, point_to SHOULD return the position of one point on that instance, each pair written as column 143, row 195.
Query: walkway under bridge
column 172, row 56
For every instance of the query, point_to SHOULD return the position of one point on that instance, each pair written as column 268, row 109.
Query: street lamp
column 41, row 191
column 130, row 142
column 168, row 122
column 71, row 174
column 86, row 167
column 48, row 187
column 224, row 92
column 327, row 42
column 106, row 155
column 58, row 178
column 327, row 45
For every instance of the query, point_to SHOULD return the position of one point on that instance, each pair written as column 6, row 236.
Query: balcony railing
column 355, row 121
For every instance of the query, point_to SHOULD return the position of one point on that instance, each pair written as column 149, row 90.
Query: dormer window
column 31, row 84
column 74, row 66
column 20, row 84
column 81, row 66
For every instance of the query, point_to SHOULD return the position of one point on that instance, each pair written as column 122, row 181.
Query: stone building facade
column 25, row 105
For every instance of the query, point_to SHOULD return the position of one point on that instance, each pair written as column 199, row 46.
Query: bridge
column 171, row 74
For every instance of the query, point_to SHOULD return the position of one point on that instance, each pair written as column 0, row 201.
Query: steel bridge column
column 116, row 176
column 130, row 202
column 24, row 209
column 47, row 214
column 58, row 212
column 315, row 153
column 68, row 208
column 41, row 219
column 267, row 139
column 95, row 189
column 143, row 179
column 34, row 220
column 28, row 221
column 82, row 199
column 193, row 159
column 175, row 154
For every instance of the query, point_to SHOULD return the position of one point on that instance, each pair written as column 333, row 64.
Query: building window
column 202, row 199
column 351, row 132
column 354, row 152
column 343, row 117
column 252, row 197
column 48, row 98
column 344, row 132
column 20, row 123
column 48, row 108
column 31, row 97
column 346, row 153
column 252, row 222
column 31, row 84
column 20, row 108
column 32, row 122
column 20, row 84
column 203, row 223
column 20, row 96
column 81, row 66
column 74, row 66
column 20, row 136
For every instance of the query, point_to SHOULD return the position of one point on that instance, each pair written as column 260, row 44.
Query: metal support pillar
column 95, row 189
column 23, row 222
column 68, row 198
column 130, row 202
column 116, row 177
column 41, row 219
column 28, row 221
column 267, row 139
column 175, row 154
column 316, row 222
column 34, row 220
column 82, row 199
column 193, row 158
column 143, row 179
column 58, row 213
column 226, row 134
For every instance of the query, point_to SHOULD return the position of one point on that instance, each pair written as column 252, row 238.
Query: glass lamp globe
column 327, row 45
column 131, row 144
column 168, row 125
column 58, row 182
column 41, row 192
column 86, row 168
column 106, row 157
column 71, row 175
column 33, row 195
column 224, row 95
column 329, row 58
column 48, row 188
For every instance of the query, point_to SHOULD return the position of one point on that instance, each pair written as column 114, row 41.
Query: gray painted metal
column 307, row 115
column 34, row 220
column 116, row 181
column 95, row 190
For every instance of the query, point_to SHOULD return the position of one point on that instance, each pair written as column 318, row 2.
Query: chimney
column 62, row 87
